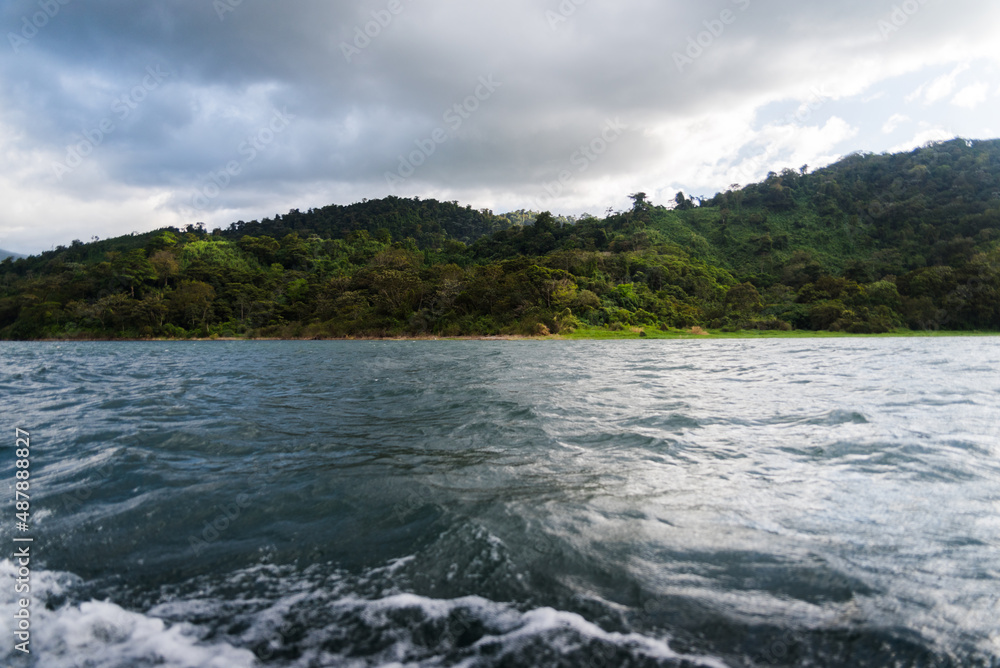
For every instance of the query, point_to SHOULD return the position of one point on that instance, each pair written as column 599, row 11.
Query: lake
column 789, row 502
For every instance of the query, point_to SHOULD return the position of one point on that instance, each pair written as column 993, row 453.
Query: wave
column 100, row 633
column 324, row 625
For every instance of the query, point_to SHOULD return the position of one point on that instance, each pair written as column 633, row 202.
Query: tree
column 265, row 249
column 545, row 222
column 394, row 290
column 191, row 303
column 640, row 202
column 743, row 302
column 165, row 239
column 165, row 265
column 246, row 297
column 113, row 309
column 133, row 269
column 152, row 310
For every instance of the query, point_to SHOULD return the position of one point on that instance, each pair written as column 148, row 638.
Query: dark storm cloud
column 362, row 86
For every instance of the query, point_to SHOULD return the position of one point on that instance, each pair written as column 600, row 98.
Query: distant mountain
column 4, row 254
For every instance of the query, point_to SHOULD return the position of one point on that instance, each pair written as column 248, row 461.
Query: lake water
column 813, row 502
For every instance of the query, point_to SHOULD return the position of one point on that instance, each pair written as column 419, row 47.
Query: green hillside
column 870, row 244
column 865, row 215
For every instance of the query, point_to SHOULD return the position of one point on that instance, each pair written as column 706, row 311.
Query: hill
column 867, row 214
column 869, row 244
column 428, row 222
column 4, row 254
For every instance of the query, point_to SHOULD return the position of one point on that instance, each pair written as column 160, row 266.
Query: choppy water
column 657, row 503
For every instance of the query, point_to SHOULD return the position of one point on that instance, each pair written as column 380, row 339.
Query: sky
column 119, row 116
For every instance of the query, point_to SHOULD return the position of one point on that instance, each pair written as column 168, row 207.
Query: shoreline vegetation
column 874, row 244
column 585, row 334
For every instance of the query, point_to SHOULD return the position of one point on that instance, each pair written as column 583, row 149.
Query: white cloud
column 46, row 218
column 725, row 148
column 939, row 88
column 894, row 122
column 927, row 134
column 41, row 212
column 972, row 96
column 810, row 144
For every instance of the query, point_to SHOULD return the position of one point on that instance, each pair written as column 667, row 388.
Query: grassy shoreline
column 604, row 334
column 582, row 334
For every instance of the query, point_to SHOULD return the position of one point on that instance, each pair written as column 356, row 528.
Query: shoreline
column 577, row 335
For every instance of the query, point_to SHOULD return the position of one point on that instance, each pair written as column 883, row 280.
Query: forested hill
column 870, row 244
column 428, row 222
column 868, row 213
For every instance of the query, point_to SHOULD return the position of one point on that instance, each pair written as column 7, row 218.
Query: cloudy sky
column 120, row 116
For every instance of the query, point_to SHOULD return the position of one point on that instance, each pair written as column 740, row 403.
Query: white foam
column 102, row 634
column 508, row 631
column 566, row 629
column 109, row 636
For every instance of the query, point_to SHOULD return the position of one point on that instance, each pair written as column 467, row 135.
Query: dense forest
column 871, row 244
